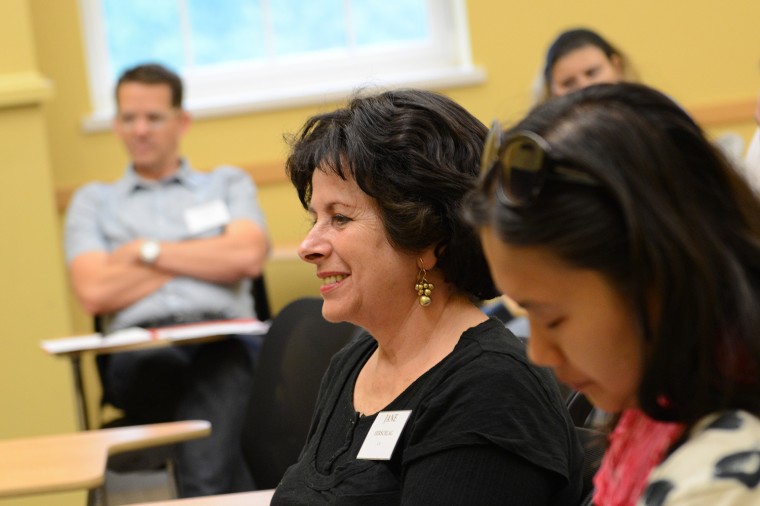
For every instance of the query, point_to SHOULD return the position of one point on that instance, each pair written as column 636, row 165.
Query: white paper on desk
column 130, row 335
column 56, row 346
column 126, row 336
column 136, row 335
column 216, row 328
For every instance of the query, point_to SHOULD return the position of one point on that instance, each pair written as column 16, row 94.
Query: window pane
column 226, row 31
column 142, row 30
column 249, row 55
column 308, row 26
column 381, row 21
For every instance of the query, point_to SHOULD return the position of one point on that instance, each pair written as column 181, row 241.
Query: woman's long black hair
column 672, row 225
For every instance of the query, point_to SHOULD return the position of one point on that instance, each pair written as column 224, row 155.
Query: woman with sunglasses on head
column 635, row 248
column 578, row 58
column 435, row 403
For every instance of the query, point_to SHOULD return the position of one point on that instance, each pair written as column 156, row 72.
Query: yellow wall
column 34, row 390
column 702, row 55
column 700, row 52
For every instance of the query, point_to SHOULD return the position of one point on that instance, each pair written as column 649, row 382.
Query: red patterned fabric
column 637, row 445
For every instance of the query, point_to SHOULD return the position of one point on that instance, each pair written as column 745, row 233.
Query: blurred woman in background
column 578, row 58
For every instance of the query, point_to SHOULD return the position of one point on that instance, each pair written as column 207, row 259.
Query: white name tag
column 207, row 216
column 383, row 435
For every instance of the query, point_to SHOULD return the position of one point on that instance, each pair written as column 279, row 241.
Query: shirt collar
column 185, row 175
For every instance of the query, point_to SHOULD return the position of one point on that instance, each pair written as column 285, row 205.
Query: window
column 246, row 55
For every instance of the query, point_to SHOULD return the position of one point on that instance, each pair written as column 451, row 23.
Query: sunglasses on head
column 524, row 163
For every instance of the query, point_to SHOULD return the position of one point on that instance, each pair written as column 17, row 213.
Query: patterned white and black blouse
column 719, row 465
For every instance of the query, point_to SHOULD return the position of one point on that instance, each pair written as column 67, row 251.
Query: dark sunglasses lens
column 522, row 176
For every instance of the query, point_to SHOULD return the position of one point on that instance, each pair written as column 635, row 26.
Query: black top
column 486, row 428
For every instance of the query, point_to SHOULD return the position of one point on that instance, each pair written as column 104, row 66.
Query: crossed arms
column 107, row 282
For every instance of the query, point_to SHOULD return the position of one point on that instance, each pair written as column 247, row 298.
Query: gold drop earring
column 423, row 287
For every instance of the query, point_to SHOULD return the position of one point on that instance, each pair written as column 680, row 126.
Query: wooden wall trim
column 263, row 173
column 23, row 88
column 709, row 116
column 724, row 113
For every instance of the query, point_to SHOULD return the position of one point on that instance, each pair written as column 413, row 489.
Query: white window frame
column 297, row 81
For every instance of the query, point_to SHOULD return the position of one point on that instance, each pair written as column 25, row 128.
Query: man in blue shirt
column 164, row 245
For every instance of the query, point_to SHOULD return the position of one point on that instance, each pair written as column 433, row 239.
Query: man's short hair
column 153, row 73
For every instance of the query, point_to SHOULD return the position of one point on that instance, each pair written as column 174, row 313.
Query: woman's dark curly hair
column 417, row 154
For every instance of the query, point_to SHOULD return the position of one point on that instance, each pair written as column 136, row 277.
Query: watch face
column 149, row 251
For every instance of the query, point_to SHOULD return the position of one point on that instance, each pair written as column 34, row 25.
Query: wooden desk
column 77, row 460
column 137, row 339
column 258, row 498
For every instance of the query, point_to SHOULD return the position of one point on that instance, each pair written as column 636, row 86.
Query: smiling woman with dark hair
column 634, row 245
column 435, row 403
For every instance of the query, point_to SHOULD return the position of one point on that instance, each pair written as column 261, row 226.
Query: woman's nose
column 542, row 352
column 313, row 247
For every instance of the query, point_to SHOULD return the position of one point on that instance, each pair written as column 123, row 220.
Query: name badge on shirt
column 383, row 435
column 206, row 216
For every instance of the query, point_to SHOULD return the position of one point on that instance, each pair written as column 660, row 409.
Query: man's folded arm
column 105, row 283
column 239, row 252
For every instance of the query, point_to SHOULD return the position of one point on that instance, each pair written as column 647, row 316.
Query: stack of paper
column 136, row 335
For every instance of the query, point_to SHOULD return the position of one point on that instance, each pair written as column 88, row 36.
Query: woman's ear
column 428, row 259
column 617, row 64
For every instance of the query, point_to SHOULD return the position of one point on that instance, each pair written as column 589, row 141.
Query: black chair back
column 293, row 358
column 580, row 408
column 594, row 443
column 260, row 299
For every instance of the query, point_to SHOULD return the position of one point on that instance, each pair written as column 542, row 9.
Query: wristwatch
column 149, row 251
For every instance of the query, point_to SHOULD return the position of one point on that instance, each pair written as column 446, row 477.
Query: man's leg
column 218, row 389
column 147, row 384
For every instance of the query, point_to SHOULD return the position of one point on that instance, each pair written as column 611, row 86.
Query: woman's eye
column 553, row 324
column 339, row 219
